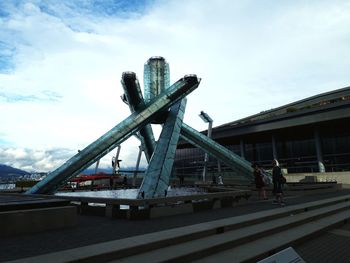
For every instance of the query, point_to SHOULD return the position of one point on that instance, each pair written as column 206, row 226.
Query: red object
column 91, row 177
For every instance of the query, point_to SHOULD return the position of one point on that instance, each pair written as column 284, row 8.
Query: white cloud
column 251, row 56
column 33, row 159
column 48, row 159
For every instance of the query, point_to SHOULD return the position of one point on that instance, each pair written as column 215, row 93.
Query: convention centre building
column 307, row 136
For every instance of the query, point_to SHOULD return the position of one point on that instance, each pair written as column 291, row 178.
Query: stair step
column 266, row 246
column 110, row 250
column 205, row 246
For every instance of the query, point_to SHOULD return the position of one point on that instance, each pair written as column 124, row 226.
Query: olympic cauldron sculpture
column 163, row 104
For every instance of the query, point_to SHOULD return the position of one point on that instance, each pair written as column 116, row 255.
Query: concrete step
column 123, row 248
column 266, row 246
column 188, row 251
column 11, row 202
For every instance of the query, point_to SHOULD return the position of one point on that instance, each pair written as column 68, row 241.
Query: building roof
column 319, row 108
column 324, row 107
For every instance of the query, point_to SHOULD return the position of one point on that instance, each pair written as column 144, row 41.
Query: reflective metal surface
column 132, row 193
column 115, row 136
column 239, row 165
column 135, row 101
column 157, row 176
column 156, row 79
column 159, row 97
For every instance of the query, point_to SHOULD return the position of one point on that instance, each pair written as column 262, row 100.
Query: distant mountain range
column 8, row 171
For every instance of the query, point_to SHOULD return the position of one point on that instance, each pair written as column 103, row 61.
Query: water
column 132, row 193
column 7, row 186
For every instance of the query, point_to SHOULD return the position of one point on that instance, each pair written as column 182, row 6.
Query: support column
column 321, row 167
column 96, row 167
column 137, row 166
column 241, row 144
column 112, row 210
column 157, row 177
column 219, row 166
column 115, row 164
column 239, row 165
column 274, row 147
column 206, row 156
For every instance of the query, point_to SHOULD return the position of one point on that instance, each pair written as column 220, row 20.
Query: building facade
column 310, row 135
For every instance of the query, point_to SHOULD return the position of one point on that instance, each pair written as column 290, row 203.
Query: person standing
column 220, row 179
column 259, row 182
column 213, row 178
column 277, row 183
column 125, row 181
column 182, row 179
column 111, row 182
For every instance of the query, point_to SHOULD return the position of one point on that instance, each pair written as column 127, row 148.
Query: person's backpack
column 266, row 177
column 282, row 179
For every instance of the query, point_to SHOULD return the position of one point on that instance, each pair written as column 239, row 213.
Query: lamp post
column 115, row 161
column 137, row 166
column 205, row 117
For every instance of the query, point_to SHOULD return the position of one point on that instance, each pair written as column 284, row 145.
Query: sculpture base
column 191, row 200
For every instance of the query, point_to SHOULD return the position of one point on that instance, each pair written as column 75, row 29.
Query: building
column 310, row 135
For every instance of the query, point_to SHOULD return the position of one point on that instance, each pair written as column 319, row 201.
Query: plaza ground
column 330, row 246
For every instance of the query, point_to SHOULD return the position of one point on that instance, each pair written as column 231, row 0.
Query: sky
column 61, row 64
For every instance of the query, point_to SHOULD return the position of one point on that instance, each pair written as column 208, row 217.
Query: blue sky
column 61, row 64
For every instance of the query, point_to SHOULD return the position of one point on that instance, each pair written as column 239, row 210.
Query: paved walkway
column 93, row 229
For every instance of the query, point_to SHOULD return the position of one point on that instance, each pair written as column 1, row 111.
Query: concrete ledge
column 86, row 209
column 340, row 177
column 168, row 210
column 36, row 220
column 134, row 213
column 113, row 212
column 216, row 204
column 13, row 201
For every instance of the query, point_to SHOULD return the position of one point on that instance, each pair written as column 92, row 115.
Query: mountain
column 8, row 171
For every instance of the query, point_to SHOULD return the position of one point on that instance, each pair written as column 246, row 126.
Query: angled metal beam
column 240, row 166
column 136, row 102
column 156, row 180
column 115, row 136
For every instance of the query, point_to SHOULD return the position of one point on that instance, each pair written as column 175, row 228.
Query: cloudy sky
column 61, row 64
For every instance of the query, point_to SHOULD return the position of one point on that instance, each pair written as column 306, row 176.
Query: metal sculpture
column 115, row 136
column 162, row 105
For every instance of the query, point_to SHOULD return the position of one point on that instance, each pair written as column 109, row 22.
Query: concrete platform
column 93, row 230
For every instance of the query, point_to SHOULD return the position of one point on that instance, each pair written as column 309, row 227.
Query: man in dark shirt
column 277, row 183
